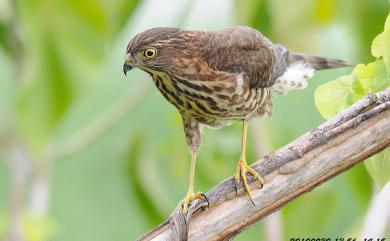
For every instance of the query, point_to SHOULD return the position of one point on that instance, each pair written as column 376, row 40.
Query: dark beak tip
column 127, row 67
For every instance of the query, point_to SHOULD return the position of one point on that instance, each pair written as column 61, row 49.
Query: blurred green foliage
column 113, row 151
column 62, row 39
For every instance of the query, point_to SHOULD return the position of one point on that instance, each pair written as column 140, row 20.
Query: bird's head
column 153, row 49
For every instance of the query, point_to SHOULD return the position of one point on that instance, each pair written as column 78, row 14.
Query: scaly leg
column 243, row 168
column 191, row 196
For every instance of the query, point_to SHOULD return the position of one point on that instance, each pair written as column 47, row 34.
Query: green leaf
column 337, row 95
column 379, row 168
column 373, row 76
column 381, row 44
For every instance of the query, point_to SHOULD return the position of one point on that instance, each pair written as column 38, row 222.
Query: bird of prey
column 216, row 77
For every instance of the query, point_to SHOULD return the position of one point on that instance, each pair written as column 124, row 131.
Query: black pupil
column 149, row 53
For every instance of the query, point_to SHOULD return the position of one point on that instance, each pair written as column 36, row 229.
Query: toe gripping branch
column 242, row 170
column 179, row 221
column 188, row 203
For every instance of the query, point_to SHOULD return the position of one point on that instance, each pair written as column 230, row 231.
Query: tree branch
column 328, row 150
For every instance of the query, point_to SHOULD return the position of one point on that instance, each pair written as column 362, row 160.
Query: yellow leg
column 191, row 196
column 242, row 165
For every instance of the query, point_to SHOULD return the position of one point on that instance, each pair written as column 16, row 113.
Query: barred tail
column 317, row 62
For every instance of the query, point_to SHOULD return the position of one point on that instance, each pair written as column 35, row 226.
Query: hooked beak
column 126, row 67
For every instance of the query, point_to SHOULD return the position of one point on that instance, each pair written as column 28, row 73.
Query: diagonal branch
column 319, row 155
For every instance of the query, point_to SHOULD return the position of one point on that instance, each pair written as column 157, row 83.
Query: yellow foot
column 191, row 196
column 242, row 169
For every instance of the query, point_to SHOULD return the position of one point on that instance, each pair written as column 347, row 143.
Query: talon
column 191, row 196
column 241, row 171
column 253, row 203
column 205, row 198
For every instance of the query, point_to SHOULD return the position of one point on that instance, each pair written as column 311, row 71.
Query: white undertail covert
column 294, row 78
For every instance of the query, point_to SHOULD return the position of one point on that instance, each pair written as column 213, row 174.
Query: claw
column 242, row 169
column 253, row 203
column 191, row 196
column 205, row 198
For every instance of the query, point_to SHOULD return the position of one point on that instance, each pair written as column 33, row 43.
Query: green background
column 104, row 156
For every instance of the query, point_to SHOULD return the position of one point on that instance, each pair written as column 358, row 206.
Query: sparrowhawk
column 215, row 77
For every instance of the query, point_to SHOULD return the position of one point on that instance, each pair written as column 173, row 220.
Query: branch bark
column 328, row 150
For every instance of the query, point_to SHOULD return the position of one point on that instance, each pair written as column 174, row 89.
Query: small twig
column 332, row 148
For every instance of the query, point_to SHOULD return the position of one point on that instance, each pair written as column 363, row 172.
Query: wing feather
column 243, row 50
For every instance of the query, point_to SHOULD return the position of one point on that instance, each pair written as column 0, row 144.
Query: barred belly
column 202, row 103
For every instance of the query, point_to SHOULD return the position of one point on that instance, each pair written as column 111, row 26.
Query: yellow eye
column 150, row 53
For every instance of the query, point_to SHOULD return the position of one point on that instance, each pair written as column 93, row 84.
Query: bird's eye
column 150, row 53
